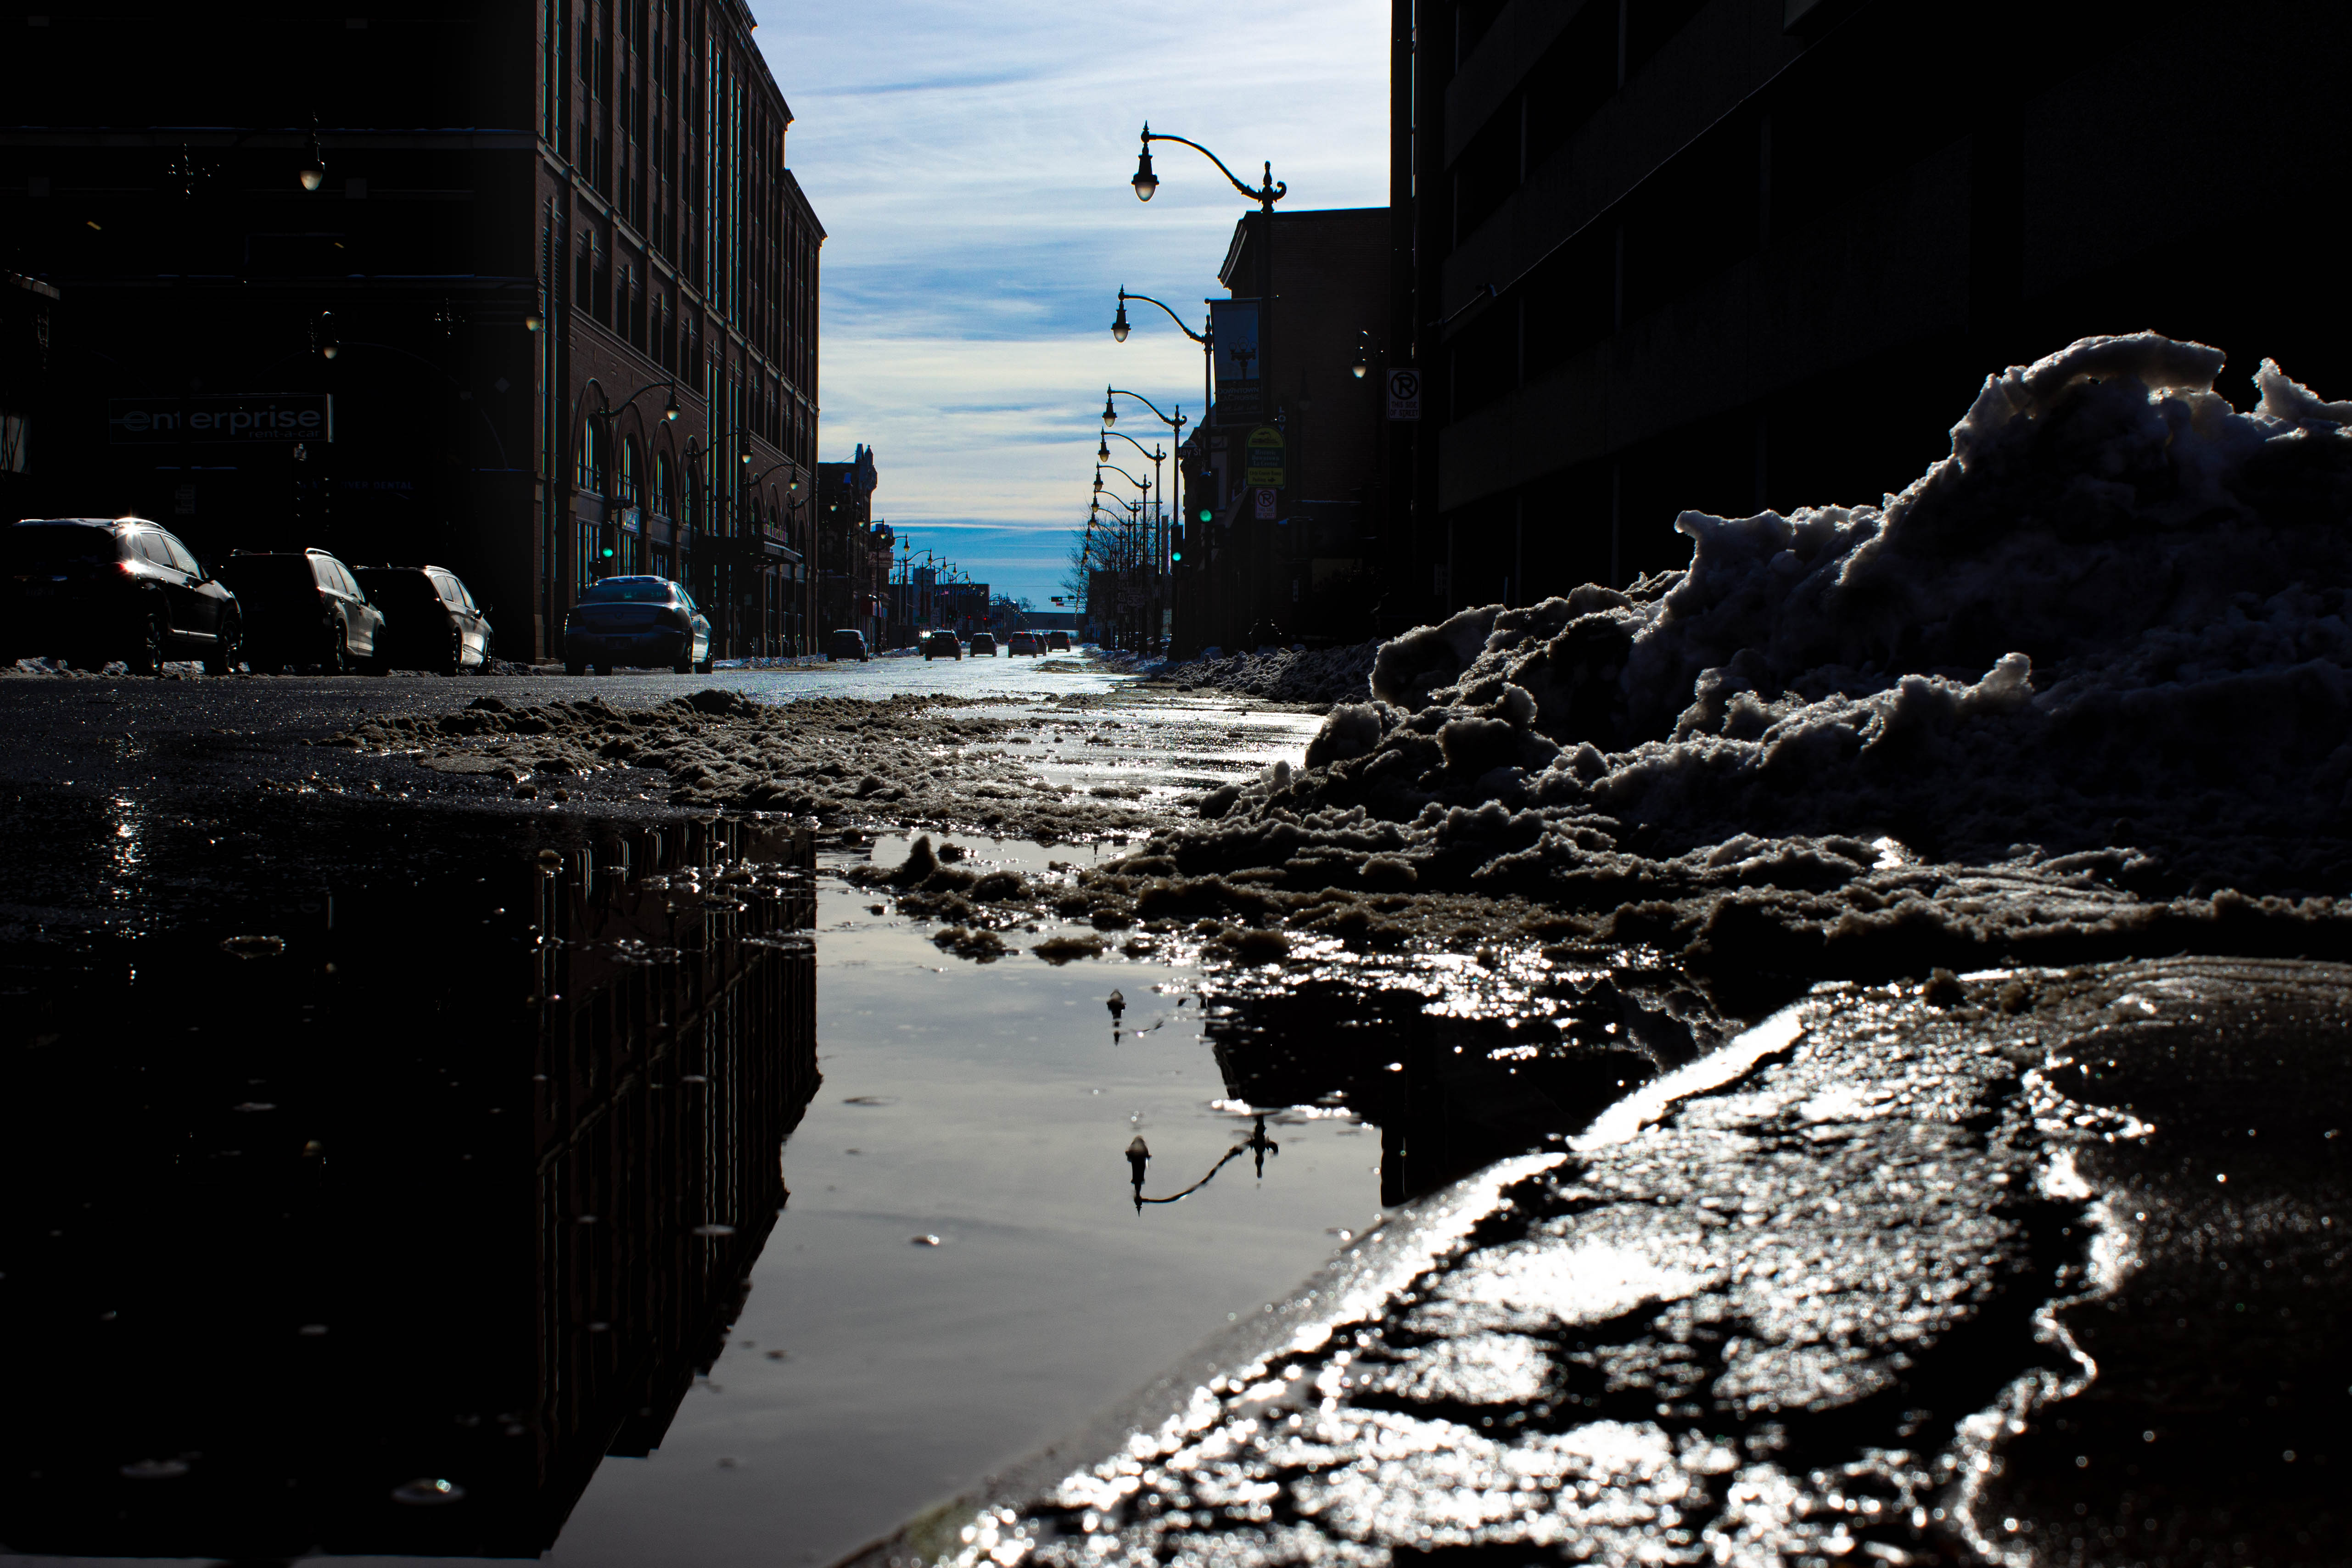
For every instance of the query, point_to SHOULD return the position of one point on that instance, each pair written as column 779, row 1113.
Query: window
column 658, row 501
column 178, row 554
column 628, row 491
column 594, row 465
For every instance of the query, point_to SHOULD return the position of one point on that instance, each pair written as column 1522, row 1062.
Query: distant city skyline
column 971, row 168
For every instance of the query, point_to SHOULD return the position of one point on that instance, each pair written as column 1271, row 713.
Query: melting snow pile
column 2087, row 672
column 1285, row 674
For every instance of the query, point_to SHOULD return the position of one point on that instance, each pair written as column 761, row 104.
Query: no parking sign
column 1404, row 393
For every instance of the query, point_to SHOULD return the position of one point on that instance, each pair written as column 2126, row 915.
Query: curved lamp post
column 1268, row 192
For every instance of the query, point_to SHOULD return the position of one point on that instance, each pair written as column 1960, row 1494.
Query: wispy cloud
column 971, row 165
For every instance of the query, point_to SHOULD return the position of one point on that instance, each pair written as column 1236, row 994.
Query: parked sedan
column 92, row 589
column 433, row 622
column 942, row 644
column 1020, row 643
column 847, row 643
column 637, row 622
column 306, row 610
column 983, row 643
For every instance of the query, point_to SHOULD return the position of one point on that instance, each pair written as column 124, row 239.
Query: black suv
column 431, row 621
column 90, row 589
column 306, row 610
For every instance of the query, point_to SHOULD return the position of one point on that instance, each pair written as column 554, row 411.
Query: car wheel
column 147, row 653
column 457, row 654
column 702, row 668
column 684, row 666
column 229, row 651
column 604, row 669
column 574, row 666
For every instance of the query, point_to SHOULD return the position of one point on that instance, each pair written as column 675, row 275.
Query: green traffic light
column 1175, row 555
column 608, row 554
column 1208, row 515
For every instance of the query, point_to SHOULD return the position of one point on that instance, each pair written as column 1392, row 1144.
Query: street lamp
column 1146, row 181
column 1118, row 321
column 1110, row 414
column 313, row 171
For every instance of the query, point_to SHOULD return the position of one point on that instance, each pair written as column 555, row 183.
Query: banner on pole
column 1233, row 332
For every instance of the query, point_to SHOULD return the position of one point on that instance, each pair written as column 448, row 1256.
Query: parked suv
column 942, row 644
column 637, row 622
column 92, row 589
column 847, row 643
column 306, row 610
column 432, row 622
column 983, row 643
column 1020, row 643
column 1058, row 642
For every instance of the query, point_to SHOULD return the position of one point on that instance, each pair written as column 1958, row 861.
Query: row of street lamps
column 1145, row 541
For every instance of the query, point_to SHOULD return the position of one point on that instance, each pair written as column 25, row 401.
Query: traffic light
column 1176, row 546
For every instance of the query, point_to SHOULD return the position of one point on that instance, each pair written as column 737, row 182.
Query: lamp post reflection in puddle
column 1139, row 1156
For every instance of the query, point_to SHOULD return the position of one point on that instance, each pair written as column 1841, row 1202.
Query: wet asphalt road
column 2045, row 1269
column 2054, row 1272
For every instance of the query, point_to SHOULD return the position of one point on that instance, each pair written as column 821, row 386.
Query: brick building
column 853, row 550
column 602, row 227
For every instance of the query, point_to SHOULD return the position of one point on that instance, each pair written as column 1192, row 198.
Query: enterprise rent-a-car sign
column 251, row 417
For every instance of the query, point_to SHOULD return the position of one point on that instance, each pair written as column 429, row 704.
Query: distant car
column 635, row 623
column 307, row 609
column 847, row 643
column 1020, row 643
column 942, row 644
column 983, row 643
column 431, row 621
column 92, row 589
column 1058, row 642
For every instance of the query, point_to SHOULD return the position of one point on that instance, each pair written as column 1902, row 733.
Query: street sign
column 1265, row 506
column 1262, row 463
column 241, row 418
column 1404, row 393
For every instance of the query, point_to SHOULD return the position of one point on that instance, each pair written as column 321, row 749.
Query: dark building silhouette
column 495, row 233
column 853, row 550
column 463, row 1183
column 1731, row 253
column 1305, row 568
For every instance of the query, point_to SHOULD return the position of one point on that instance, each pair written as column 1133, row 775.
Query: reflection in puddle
column 1449, row 1093
column 377, row 1233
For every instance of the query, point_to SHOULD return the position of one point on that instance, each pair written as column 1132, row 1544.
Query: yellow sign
column 1265, row 458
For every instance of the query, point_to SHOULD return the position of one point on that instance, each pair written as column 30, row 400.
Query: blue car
column 637, row 622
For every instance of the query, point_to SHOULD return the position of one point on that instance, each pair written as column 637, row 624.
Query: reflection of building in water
column 1448, row 1094
column 465, row 1188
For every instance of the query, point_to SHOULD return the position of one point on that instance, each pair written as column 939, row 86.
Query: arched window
column 658, row 498
column 629, row 470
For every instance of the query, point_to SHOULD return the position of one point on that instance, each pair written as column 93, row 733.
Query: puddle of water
column 989, row 1107
column 371, row 1217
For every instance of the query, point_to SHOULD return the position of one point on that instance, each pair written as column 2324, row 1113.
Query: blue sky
column 971, row 162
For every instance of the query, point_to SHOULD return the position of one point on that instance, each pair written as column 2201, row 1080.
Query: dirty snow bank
column 2086, row 686
column 911, row 758
column 1282, row 675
